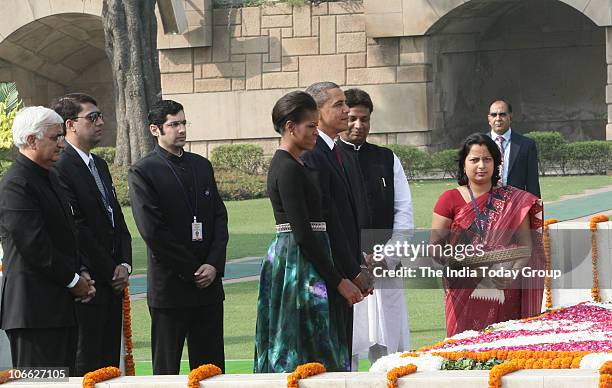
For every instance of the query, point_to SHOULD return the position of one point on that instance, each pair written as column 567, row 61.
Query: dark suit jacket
column 40, row 249
column 338, row 208
column 523, row 169
column 164, row 220
column 105, row 246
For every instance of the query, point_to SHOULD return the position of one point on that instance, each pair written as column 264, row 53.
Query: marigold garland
column 5, row 376
column 499, row 371
column 398, row 372
column 202, row 373
column 605, row 375
column 130, row 369
column 92, row 378
column 304, row 371
column 547, row 262
column 595, row 254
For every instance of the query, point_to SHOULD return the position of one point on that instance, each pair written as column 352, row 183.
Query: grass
column 425, row 309
column 251, row 222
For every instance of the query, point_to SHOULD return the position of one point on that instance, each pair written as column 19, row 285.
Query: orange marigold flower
column 304, row 371
column 92, row 378
column 398, row 372
column 202, row 373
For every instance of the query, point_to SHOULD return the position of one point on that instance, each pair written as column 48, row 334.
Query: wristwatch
column 128, row 267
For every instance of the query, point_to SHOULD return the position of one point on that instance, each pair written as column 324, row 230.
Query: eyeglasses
column 176, row 124
column 93, row 116
column 501, row 114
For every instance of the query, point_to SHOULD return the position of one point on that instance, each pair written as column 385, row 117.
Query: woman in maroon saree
column 498, row 218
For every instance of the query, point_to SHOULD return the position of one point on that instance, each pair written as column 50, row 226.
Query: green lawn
column 251, row 222
column 425, row 306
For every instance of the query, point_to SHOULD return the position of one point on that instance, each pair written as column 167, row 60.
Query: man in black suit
column 183, row 221
column 338, row 204
column 41, row 259
column 105, row 239
column 519, row 153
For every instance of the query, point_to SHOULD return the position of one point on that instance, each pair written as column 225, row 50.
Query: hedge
column 551, row 150
column 588, row 157
column 246, row 158
column 106, row 153
column 415, row 161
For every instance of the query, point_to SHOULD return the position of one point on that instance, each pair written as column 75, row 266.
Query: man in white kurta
column 384, row 208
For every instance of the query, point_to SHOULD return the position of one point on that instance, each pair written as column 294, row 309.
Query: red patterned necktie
column 338, row 154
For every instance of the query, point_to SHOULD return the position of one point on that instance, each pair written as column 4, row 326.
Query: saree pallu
column 298, row 319
column 469, row 306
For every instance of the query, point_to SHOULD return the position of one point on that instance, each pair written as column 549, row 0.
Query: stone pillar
column 609, row 85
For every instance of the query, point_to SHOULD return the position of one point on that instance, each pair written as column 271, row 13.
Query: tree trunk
column 130, row 31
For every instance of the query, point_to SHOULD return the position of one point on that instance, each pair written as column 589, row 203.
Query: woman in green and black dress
column 298, row 319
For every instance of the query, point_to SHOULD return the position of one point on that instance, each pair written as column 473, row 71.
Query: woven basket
column 492, row 257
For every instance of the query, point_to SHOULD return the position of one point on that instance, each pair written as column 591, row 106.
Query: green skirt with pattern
column 298, row 319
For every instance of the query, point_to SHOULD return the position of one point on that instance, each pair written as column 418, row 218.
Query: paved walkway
column 574, row 207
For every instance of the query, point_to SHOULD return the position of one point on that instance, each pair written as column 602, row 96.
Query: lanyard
column 481, row 216
column 195, row 188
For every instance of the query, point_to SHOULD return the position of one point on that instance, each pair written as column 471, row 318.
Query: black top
column 296, row 200
column 104, row 245
column 163, row 208
column 41, row 254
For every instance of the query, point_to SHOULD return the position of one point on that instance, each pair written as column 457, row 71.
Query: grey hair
column 318, row 91
column 33, row 120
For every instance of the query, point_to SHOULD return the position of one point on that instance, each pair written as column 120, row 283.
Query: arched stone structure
column 425, row 25
column 53, row 47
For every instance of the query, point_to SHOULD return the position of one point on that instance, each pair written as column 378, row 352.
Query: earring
column 291, row 132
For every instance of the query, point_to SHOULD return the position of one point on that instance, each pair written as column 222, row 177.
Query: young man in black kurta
column 183, row 221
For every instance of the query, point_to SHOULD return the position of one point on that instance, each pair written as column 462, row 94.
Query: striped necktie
column 101, row 188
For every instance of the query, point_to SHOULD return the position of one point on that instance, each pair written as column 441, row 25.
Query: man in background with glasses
column 41, row 257
column 519, row 153
column 106, row 241
column 183, row 221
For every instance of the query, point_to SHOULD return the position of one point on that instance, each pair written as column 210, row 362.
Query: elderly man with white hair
column 41, row 261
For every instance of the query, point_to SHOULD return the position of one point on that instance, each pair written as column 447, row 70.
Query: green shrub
column 246, row 158
column 588, row 157
column 119, row 174
column 235, row 185
column 4, row 166
column 106, row 153
column 415, row 161
column 446, row 161
column 551, row 150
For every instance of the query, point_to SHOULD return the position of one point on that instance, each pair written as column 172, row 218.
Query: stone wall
column 546, row 58
column 260, row 53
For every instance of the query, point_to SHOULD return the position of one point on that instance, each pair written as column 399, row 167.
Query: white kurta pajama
column 382, row 318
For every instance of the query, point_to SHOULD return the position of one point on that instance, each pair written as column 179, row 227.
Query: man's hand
column 365, row 282
column 371, row 263
column 121, row 278
column 205, row 275
column 84, row 290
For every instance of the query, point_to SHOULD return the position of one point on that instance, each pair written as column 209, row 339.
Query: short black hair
column 69, row 105
column 292, row 107
column 508, row 104
column 161, row 109
column 464, row 150
column 355, row 97
column 318, row 91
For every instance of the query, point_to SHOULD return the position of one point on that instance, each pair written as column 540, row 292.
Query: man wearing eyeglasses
column 183, row 221
column 41, row 256
column 519, row 154
column 88, row 185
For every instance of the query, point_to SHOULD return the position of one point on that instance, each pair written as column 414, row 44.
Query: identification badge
column 196, row 230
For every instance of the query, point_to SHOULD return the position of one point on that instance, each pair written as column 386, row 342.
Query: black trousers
column 49, row 347
column 203, row 328
column 99, row 335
